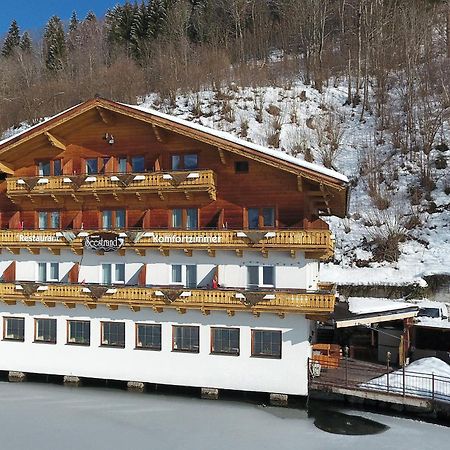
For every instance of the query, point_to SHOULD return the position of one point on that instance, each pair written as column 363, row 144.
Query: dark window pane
column 253, row 218
column 14, row 328
column 148, row 336
column 177, row 218
column 113, row 334
column 137, row 164
column 252, row 277
column 192, row 218
column 268, row 275
column 225, row 340
column 120, row 218
column 176, row 273
column 268, row 217
column 57, row 168
column 190, row 161
column 79, row 332
column 241, row 166
column 92, row 166
column 122, row 165
column 186, row 339
column 44, row 168
column 176, row 162
column 191, row 276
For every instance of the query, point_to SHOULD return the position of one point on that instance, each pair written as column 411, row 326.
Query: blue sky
column 34, row 14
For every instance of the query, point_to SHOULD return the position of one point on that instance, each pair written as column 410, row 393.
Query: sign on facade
column 104, row 241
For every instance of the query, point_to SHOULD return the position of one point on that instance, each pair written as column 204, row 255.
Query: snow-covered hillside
column 386, row 195
column 303, row 122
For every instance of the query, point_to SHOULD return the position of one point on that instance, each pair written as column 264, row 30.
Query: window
column 185, row 218
column 241, row 167
column 185, row 339
column 92, row 166
column 148, row 336
column 176, row 273
column 225, row 341
column 113, row 219
column 268, row 216
column 266, row 343
column 191, row 276
column 44, row 168
column 192, row 218
column 45, row 330
column 137, row 164
column 79, row 332
column 252, row 277
column 253, row 218
column 256, row 274
column 49, row 220
column 47, row 168
column 268, row 275
column 14, row 329
column 177, row 218
column 48, row 272
column 113, row 273
column 184, row 162
column 122, row 165
column 261, row 217
column 57, row 167
column 113, row 334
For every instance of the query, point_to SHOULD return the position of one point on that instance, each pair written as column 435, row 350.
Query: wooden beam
column 181, row 310
column 161, row 196
column 157, row 132
column 211, row 252
column 34, row 251
column 239, row 252
column 187, row 251
column 139, row 251
column 69, row 305
column 205, row 312
column 48, row 304
column 112, row 307
column 157, row 309
column 28, row 302
column 187, row 195
column 293, row 253
column 102, row 115
column 164, row 251
column 135, row 308
column 90, row 305
column 13, row 250
column 6, row 169
column 222, row 157
column 265, row 252
column 74, row 197
column 281, row 315
column 77, row 251
column 54, row 141
column 55, row 199
column 299, row 183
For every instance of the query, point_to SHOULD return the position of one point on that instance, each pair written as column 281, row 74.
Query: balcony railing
column 152, row 182
column 159, row 298
column 317, row 243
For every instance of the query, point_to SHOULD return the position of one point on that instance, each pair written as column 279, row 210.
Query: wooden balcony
column 160, row 298
column 158, row 183
column 317, row 244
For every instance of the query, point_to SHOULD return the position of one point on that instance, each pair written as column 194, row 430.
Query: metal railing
column 363, row 376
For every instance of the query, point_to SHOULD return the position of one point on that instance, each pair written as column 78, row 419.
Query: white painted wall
column 286, row 375
column 290, row 273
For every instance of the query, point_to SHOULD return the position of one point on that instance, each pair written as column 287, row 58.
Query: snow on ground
column 367, row 305
column 418, row 379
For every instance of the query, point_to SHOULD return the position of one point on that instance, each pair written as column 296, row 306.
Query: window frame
column 81, row 344
column 86, row 166
column 142, row 347
column 13, row 339
column 102, row 333
column 184, row 219
column 48, row 271
column 49, row 214
column 261, row 283
column 238, row 165
column 131, row 163
column 226, row 353
column 36, row 326
column 51, row 163
column 185, row 349
column 182, row 160
column 261, row 225
column 113, row 215
column 262, row 354
column 113, row 273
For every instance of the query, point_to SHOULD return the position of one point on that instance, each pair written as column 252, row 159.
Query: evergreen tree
column 90, row 17
column 25, row 43
column 54, row 45
column 74, row 22
column 12, row 40
column 140, row 31
column 157, row 11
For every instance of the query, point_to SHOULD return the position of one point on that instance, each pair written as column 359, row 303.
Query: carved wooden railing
column 159, row 298
column 178, row 181
column 312, row 241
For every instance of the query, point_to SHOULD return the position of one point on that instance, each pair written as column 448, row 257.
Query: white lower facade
column 286, row 374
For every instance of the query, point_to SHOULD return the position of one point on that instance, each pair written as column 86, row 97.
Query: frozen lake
column 52, row 417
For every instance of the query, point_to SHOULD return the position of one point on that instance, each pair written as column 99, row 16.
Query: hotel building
column 141, row 247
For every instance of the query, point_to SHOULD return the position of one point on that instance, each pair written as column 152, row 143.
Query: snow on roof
column 218, row 133
column 367, row 305
column 25, row 128
column 235, row 140
column 431, row 322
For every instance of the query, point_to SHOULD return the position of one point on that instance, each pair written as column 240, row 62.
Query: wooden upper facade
column 102, row 165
